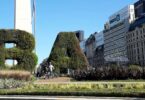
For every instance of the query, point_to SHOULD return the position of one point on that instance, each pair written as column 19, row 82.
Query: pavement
column 64, row 98
column 67, row 80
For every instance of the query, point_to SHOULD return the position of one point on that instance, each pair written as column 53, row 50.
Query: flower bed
column 11, row 83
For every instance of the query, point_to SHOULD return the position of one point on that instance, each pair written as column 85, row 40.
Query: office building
column 80, row 35
column 99, row 50
column 136, row 42
column 82, row 45
column 115, row 47
column 139, row 8
column 94, row 48
column 99, row 37
column 90, row 48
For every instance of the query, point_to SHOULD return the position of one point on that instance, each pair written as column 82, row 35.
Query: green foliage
column 22, row 52
column 110, row 73
column 81, row 89
column 66, row 52
column 135, row 71
column 10, row 83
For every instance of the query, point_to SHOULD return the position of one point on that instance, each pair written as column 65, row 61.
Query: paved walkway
column 57, row 79
column 63, row 98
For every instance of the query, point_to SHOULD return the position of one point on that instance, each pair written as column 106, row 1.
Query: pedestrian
column 51, row 68
column 38, row 71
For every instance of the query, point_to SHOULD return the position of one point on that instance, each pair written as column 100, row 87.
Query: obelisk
column 23, row 15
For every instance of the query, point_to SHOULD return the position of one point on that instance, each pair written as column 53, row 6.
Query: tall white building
column 115, row 47
column 23, row 15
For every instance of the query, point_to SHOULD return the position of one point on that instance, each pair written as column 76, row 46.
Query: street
column 64, row 98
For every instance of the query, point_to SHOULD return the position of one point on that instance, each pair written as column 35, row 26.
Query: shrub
column 10, row 83
column 135, row 72
column 25, row 44
column 15, row 74
column 110, row 73
column 143, row 73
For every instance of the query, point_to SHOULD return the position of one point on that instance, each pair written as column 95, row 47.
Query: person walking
column 51, row 68
column 38, row 71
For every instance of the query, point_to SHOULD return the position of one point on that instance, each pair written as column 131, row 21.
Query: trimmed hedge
column 15, row 74
column 22, row 52
column 110, row 73
column 66, row 53
column 84, row 89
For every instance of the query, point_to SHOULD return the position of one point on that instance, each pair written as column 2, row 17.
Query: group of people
column 47, row 70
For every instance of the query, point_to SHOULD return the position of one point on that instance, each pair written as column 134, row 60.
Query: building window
column 134, row 52
column 140, row 31
column 133, row 34
column 137, row 44
column 137, row 33
column 142, row 44
column 143, row 30
column 138, row 51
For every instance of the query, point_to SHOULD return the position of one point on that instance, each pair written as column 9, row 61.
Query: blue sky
column 54, row 16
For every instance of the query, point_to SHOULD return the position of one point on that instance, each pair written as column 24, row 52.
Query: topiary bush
column 66, row 53
column 22, row 52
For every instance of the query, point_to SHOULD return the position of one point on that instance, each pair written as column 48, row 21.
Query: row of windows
column 114, row 28
column 114, row 47
column 135, row 39
column 114, row 37
column 136, row 33
column 136, row 51
column 135, row 55
column 115, row 50
column 115, row 43
column 113, row 33
column 113, row 55
column 136, row 45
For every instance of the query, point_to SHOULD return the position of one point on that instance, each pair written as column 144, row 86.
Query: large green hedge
column 66, row 53
column 22, row 52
